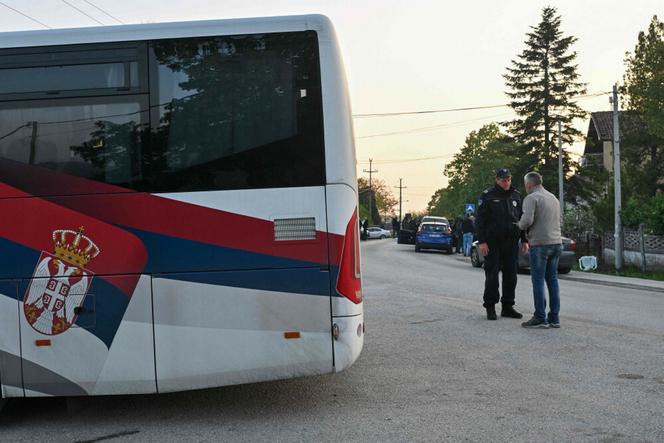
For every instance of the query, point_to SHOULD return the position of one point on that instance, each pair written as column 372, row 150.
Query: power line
column 25, row 15
column 431, row 128
column 83, row 12
column 433, row 111
column 457, row 123
column 104, row 12
column 382, row 162
column 473, row 108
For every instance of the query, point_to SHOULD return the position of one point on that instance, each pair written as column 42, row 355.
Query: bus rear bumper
column 349, row 341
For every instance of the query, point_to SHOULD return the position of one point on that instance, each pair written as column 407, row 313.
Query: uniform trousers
column 503, row 257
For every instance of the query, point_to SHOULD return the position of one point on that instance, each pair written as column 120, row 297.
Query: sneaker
column 491, row 313
column 535, row 323
column 510, row 312
column 554, row 324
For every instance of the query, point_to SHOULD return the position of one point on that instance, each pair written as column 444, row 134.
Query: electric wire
column 472, row 108
column 25, row 15
column 104, row 12
column 431, row 128
column 83, row 12
column 458, row 123
column 406, row 160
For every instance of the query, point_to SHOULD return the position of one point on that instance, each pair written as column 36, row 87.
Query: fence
column 649, row 252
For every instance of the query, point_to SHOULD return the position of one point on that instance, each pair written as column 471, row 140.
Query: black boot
column 508, row 311
column 491, row 312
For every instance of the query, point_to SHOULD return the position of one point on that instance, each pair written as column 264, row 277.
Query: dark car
column 433, row 235
column 567, row 258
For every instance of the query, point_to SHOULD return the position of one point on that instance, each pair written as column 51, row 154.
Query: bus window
column 91, row 138
column 230, row 113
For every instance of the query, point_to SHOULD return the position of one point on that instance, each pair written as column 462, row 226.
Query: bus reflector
column 291, row 334
column 44, row 342
column 349, row 282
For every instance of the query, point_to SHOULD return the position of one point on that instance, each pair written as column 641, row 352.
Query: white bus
column 178, row 207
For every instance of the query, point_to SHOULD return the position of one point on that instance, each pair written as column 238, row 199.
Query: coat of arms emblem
column 60, row 282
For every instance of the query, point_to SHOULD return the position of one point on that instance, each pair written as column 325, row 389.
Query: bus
column 178, row 207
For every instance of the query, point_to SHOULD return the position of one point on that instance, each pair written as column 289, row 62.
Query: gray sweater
column 541, row 218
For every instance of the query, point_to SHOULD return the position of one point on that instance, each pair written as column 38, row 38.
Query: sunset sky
column 405, row 56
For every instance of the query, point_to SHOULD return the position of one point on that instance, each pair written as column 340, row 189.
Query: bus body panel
column 212, row 335
column 133, row 342
column 215, row 230
column 79, row 360
column 348, row 346
column 10, row 364
column 340, row 161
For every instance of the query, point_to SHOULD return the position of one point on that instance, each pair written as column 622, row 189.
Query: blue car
column 433, row 235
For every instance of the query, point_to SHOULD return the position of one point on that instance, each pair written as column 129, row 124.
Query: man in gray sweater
column 541, row 221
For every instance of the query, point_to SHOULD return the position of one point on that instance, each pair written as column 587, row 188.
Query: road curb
column 614, row 284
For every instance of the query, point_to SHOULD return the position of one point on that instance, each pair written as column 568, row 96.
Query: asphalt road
column 432, row 369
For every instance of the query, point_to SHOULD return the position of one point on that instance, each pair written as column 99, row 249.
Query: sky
column 406, row 56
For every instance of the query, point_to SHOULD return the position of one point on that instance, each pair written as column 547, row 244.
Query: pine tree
column 543, row 82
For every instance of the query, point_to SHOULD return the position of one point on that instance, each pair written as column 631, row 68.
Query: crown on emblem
column 74, row 247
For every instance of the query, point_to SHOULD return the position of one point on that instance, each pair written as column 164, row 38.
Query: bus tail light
column 349, row 281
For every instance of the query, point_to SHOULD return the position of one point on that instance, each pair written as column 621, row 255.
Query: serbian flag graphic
column 78, row 270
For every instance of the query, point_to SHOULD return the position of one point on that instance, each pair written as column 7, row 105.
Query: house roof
column 600, row 128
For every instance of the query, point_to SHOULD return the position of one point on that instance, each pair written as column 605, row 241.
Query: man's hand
column 525, row 247
column 484, row 249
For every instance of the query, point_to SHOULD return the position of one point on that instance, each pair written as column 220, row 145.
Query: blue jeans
column 467, row 243
column 544, row 267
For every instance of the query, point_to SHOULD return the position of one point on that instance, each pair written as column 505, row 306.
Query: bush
column 603, row 212
column 577, row 221
column 634, row 213
column 656, row 214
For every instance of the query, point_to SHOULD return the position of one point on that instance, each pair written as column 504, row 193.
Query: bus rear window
column 237, row 112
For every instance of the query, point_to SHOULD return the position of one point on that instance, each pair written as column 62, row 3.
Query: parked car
column 567, row 258
column 436, row 219
column 434, row 235
column 378, row 232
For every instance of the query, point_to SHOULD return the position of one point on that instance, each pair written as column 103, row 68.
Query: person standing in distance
column 468, row 230
column 541, row 218
column 498, row 237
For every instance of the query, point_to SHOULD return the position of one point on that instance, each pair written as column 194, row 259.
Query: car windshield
column 433, row 218
column 434, row 228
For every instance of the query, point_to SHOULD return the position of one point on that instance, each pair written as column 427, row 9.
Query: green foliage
column 577, row 221
column 543, row 82
column 656, row 214
column 644, row 77
column 382, row 200
column 603, row 212
column 644, row 87
column 473, row 168
column 633, row 214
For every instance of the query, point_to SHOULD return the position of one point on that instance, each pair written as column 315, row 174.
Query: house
column 599, row 139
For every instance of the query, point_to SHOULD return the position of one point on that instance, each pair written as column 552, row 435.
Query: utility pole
column 370, row 171
column 560, row 171
column 617, row 234
column 400, row 189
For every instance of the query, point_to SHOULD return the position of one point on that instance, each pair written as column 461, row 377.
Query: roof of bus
column 98, row 34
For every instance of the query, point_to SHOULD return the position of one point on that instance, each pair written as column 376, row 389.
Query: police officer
column 498, row 237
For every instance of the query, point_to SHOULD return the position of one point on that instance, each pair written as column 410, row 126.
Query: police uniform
column 495, row 224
